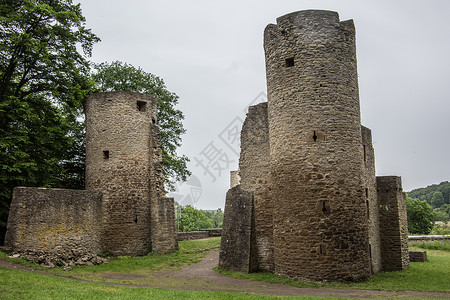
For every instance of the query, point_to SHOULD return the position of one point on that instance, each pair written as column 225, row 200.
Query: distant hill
column 436, row 194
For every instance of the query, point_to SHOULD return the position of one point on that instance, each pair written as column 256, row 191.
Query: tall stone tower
column 316, row 156
column 124, row 161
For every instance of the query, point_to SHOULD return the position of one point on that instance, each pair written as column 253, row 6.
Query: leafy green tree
column 118, row 76
column 420, row 216
column 437, row 200
column 43, row 81
column 442, row 213
column 192, row 219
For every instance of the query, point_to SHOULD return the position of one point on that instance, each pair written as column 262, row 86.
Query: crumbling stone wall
column 254, row 172
column 238, row 235
column 124, row 161
column 54, row 220
column 371, row 199
column 316, row 159
column 310, row 166
column 393, row 223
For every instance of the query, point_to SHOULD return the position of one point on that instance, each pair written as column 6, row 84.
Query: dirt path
column 201, row 277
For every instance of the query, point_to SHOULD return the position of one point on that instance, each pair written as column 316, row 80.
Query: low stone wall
column 427, row 238
column 201, row 234
column 417, row 255
column 54, row 221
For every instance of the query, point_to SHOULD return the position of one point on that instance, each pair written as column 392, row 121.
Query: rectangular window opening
column 106, row 154
column 141, row 105
column 289, row 62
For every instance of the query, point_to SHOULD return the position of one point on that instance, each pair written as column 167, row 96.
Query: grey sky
column 211, row 54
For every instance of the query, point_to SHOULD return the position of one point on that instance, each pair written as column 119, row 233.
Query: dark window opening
column 320, row 249
column 324, row 209
column 141, row 105
column 364, row 149
column 136, row 220
column 367, row 193
column 289, row 62
column 153, row 121
column 315, row 136
column 106, row 154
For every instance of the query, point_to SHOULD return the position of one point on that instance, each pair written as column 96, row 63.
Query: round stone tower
column 123, row 160
column 320, row 217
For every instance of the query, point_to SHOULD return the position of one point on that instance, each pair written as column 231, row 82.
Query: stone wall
column 316, row 158
column 371, row 199
column 200, row 234
column 234, row 179
column 254, row 172
column 54, row 220
column 165, row 239
column 124, row 161
column 393, row 223
column 238, row 237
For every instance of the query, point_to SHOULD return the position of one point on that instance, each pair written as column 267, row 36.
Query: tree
column 43, row 81
column 118, row 76
column 192, row 219
column 420, row 216
column 437, row 200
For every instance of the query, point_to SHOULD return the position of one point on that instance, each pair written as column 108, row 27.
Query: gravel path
column 201, row 277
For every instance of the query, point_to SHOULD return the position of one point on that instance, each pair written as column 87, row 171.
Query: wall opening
column 323, row 207
column 314, row 136
column 153, row 121
column 289, row 62
column 367, row 193
column 136, row 219
column 141, row 105
column 106, row 154
column 365, row 154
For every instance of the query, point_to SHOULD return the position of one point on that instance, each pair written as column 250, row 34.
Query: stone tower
column 124, row 161
column 316, row 156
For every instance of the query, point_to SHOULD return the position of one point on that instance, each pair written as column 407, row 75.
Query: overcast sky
column 210, row 53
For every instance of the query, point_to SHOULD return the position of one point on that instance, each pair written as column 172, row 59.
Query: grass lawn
column 430, row 276
column 14, row 284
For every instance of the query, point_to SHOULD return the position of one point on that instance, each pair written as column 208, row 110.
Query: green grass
column 16, row 284
column 431, row 276
column 189, row 252
column 435, row 245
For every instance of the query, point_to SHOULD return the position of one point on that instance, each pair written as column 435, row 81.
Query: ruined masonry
column 308, row 204
column 123, row 210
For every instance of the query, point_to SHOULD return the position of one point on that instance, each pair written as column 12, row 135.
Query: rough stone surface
column 316, row 159
column 124, row 161
column 254, row 173
column 417, row 255
column 310, row 164
column 123, row 210
column 237, row 232
column 48, row 219
column 393, row 223
column 371, row 199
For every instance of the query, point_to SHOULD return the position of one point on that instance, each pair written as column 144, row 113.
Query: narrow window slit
column 106, row 154
column 324, row 209
column 315, row 136
column 136, row 219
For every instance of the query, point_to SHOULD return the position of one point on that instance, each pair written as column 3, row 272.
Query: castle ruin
column 123, row 210
column 308, row 204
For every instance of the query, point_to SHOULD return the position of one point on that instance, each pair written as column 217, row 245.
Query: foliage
column 118, row 76
column 192, row 219
column 43, row 80
column 440, row 229
column 216, row 217
column 420, row 216
column 428, row 193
